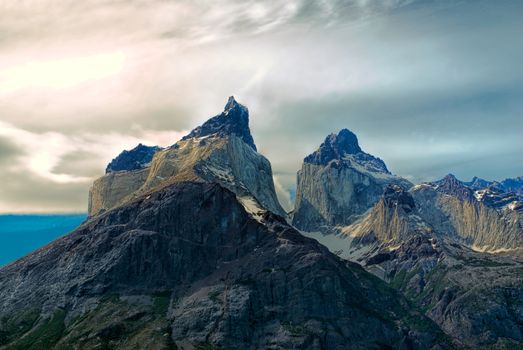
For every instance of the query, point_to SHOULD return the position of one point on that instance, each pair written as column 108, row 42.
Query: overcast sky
column 431, row 87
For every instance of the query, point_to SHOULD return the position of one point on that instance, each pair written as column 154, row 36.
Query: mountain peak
column 335, row 146
column 452, row 186
column 134, row 159
column 233, row 120
column 345, row 142
column 231, row 104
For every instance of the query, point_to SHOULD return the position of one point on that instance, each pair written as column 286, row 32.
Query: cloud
column 60, row 167
column 430, row 87
column 8, row 152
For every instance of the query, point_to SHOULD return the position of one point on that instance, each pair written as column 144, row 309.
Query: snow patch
column 338, row 244
column 252, row 207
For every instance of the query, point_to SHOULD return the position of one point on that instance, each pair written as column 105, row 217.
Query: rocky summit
column 233, row 120
column 338, row 183
column 198, row 257
column 135, row 159
column 221, row 150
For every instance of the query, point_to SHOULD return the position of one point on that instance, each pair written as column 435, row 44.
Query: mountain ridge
column 197, row 259
column 192, row 250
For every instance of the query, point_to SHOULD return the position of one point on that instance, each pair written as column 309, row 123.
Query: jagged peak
column 345, row 145
column 452, row 186
column 137, row 158
column 335, row 146
column 450, row 177
column 231, row 104
column 345, row 142
column 233, row 120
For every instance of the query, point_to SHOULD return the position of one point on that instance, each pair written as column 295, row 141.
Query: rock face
column 338, row 183
column 451, row 186
column 391, row 220
column 135, row 159
column 487, row 220
column 428, row 242
column 221, row 150
column 191, row 266
column 233, row 120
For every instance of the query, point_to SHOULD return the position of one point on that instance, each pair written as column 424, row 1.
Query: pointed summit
column 231, row 104
column 335, row 146
column 346, row 142
column 452, row 186
column 234, row 120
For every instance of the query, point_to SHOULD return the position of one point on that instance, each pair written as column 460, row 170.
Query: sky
column 431, row 87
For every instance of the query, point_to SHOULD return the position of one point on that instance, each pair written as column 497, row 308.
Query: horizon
column 430, row 87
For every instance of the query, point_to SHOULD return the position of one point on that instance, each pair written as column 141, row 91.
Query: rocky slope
column 480, row 220
column 338, row 183
column 422, row 242
column 428, row 241
column 196, row 257
column 189, row 266
column 221, row 150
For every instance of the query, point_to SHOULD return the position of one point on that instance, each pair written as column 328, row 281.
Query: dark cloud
column 8, row 152
column 24, row 192
column 81, row 163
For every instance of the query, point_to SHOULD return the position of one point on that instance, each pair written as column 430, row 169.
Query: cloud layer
column 430, row 87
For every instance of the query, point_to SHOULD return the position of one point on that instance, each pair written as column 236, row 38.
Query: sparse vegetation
column 44, row 336
column 161, row 302
column 293, row 329
column 214, row 296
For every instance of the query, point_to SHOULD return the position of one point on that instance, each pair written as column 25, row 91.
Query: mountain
column 234, row 120
column 477, row 183
column 450, row 185
column 509, row 185
column 221, row 150
column 473, row 222
column 135, row 159
column 514, row 185
column 473, row 296
column 338, row 183
column 454, row 250
column 196, row 256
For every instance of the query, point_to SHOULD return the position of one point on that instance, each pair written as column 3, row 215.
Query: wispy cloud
column 79, row 81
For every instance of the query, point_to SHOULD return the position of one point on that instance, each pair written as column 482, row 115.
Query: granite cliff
column 221, row 150
column 453, row 248
column 338, row 183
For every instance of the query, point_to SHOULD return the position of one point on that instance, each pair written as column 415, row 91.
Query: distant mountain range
column 187, row 247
